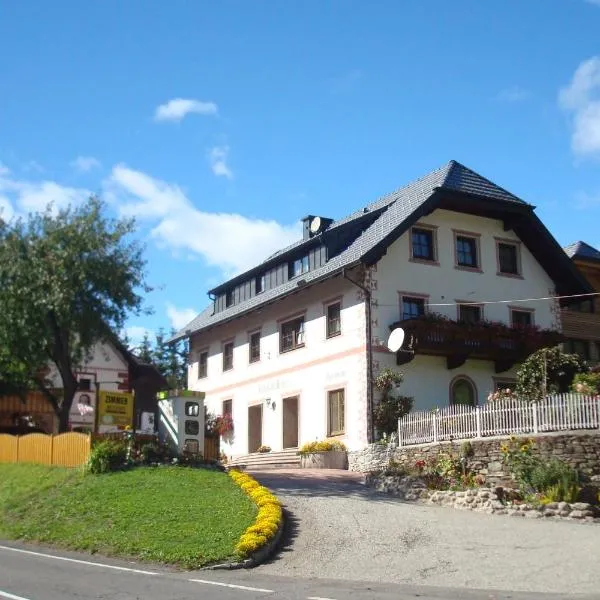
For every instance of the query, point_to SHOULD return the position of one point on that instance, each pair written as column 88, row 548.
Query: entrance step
column 285, row 459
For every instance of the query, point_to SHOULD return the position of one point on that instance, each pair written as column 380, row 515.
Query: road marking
column 78, row 561
column 232, row 585
column 318, row 598
column 11, row 596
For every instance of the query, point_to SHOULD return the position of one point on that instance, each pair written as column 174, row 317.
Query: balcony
column 436, row 335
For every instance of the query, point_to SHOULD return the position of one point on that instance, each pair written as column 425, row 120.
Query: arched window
column 462, row 391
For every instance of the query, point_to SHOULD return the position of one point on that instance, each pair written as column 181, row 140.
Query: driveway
column 338, row 528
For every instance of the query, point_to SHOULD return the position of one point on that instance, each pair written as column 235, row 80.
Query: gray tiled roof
column 582, row 250
column 397, row 207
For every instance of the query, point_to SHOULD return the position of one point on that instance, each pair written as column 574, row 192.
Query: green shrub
column 324, row 446
column 151, row 453
column 586, row 383
column 106, row 456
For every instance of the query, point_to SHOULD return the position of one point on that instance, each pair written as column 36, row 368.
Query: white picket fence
column 562, row 412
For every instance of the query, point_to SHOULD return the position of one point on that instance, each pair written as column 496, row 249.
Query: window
column 298, row 267
column 462, row 391
column 227, row 408
column 192, row 409
column 508, row 258
column 192, row 428
column 229, row 298
column 202, row 365
column 334, row 323
column 227, row 356
column 504, row 384
column 192, row 446
column 84, row 385
column 586, row 306
column 422, row 244
column 580, row 347
column 260, row 283
column 254, row 346
column 469, row 313
column 292, row 335
column 466, row 252
column 335, row 403
column 521, row 318
column 412, row 307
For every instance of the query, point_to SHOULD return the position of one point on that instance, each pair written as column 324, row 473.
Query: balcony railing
column 458, row 341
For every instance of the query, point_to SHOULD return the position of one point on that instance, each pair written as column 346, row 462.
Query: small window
column 466, row 252
column 192, row 409
column 508, row 258
column 336, row 401
column 463, row 392
column 84, row 385
column 202, row 365
column 191, row 446
column 192, row 427
column 521, row 318
column 586, row 306
column 229, row 298
column 227, row 408
column 298, row 267
column 292, row 335
column 504, row 384
column 255, row 346
column 334, row 322
column 422, row 244
column 227, row 356
column 469, row 313
column 412, row 308
column 580, row 347
column 260, row 283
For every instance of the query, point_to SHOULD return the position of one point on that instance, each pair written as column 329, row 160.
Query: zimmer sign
column 115, row 410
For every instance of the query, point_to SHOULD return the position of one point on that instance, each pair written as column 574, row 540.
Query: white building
column 290, row 348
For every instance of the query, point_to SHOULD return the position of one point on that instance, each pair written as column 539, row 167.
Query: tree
column 68, row 279
column 392, row 406
column 548, row 370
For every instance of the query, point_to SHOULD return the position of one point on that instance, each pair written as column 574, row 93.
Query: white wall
column 427, row 378
column 309, row 372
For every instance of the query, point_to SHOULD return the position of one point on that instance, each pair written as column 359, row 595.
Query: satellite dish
column 315, row 225
column 396, row 339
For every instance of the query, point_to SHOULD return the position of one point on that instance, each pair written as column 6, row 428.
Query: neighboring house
column 111, row 367
column 581, row 321
column 289, row 348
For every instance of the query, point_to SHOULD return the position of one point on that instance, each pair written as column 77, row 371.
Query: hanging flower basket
column 223, row 425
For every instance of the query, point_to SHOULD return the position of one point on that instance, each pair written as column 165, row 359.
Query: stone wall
column 488, row 500
column 581, row 450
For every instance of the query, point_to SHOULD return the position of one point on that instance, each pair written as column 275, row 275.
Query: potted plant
column 327, row 454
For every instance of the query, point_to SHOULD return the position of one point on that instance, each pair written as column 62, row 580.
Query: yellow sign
column 116, row 409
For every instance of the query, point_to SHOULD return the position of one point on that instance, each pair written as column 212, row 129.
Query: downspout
column 369, row 328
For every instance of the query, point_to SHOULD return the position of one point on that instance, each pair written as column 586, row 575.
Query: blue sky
column 220, row 125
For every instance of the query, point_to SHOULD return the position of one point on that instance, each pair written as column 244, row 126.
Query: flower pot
column 333, row 459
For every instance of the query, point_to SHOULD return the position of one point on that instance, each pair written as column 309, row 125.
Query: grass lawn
column 188, row 517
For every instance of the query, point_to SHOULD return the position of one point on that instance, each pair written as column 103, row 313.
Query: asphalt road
column 28, row 573
column 341, row 529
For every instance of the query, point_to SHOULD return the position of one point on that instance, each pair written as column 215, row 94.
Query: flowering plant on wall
column 223, row 424
column 500, row 395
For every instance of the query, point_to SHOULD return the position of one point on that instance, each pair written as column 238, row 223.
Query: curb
column 259, row 557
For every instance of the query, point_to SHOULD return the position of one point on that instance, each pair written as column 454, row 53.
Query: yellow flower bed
column 267, row 520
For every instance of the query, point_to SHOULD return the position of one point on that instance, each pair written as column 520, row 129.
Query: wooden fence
column 562, row 412
column 65, row 450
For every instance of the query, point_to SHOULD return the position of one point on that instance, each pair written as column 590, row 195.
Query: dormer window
column 298, row 267
column 260, row 283
column 229, row 298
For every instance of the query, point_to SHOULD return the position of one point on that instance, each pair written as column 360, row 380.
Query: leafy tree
column 392, row 406
column 548, row 370
column 68, row 278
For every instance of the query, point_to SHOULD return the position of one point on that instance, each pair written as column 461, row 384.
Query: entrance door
column 254, row 428
column 290, row 422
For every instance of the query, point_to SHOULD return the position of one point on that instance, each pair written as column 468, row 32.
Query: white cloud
column 85, row 163
column 33, row 166
column 217, row 157
column 229, row 241
column 178, row 108
column 581, row 99
column 513, row 95
column 4, row 170
column 180, row 317
column 6, row 209
column 33, row 196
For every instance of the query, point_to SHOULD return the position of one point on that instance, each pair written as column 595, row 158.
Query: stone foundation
column 580, row 450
